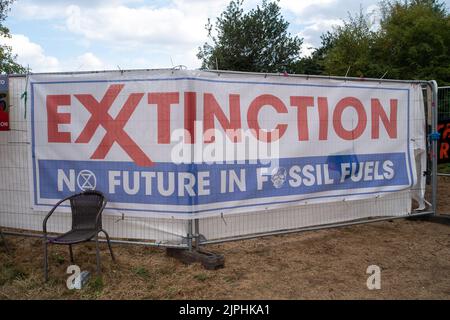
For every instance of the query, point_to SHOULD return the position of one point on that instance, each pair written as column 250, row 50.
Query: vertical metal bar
column 197, row 233
column 71, row 253
column 434, row 124
column 189, row 235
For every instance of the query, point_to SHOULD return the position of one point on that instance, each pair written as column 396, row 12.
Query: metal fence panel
column 16, row 212
column 231, row 226
column 311, row 216
column 15, row 208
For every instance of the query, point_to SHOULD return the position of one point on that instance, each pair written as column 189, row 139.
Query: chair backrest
column 86, row 206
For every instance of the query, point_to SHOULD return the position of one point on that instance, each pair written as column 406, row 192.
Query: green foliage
column 96, row 285
column 254, row 41
column 314, row 63
column 141, row 272
column 58, row 258
column 415, row 40
column 201, row 277
column 412, row 42
column 7, row 59
column 352, row 49
column 10, row 272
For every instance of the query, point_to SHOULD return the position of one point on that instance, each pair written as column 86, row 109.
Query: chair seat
column 74, row 236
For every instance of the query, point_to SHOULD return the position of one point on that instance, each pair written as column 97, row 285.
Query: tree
column 254, row 41
column 351, row 48
column 314, row 64
column 7, row 59
column 412, row 42
column 415, row 40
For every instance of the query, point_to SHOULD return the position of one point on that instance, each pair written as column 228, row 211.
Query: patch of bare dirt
column 443, row 199
column 414, row 257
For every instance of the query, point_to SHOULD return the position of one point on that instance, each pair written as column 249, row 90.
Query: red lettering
column 302, row 103
column 443, row 154
column 252, row 117
column 163, row 102
column 361, row 124
column 96, row 117
column 323, row 118
column 446, row 133
column 54, row 118
column 114, row 127
column 389, row 124
column 190, row 115
column 228, row 119
column 212, row 110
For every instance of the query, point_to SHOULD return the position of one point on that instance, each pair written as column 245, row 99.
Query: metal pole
column 313, row 228
column 189, row 235
column 114, row 241
column 434, row 150
column 218, row 72
column 304, row 76
column 197, row 233
column 89, row 72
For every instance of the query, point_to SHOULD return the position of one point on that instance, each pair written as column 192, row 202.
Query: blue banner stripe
column 127, row 183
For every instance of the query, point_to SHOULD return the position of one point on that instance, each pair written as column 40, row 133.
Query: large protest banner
column 188, row 144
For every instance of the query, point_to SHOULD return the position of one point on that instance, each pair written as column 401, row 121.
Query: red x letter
column 113, row 127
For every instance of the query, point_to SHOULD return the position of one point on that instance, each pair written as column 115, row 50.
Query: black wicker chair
column 87, row 208
column 3, row 240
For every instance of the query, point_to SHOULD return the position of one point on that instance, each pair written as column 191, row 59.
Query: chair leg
column 45, row 261
column 71, row 253
column 97, row 249
column 109, row 245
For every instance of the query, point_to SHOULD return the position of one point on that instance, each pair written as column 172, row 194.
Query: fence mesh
column 16, row 211
column 443, row 148
column 443, row 119
column 15, row 208
column 309, row 216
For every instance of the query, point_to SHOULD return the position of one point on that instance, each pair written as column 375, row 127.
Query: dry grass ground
column 329, row 264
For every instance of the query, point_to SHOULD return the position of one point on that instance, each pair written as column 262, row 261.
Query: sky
column 70, row 35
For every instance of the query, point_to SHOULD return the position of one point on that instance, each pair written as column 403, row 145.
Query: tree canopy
column 8, row 62
column 254, row 41
column 412, row 41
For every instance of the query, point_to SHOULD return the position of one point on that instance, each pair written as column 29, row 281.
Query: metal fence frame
column 186, row 239
column 194, row 236
column 431, row 85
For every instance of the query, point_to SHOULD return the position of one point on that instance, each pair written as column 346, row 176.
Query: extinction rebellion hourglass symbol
column 86, row 180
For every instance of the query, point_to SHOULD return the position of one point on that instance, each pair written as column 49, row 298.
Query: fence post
column 189, row 235
column 197, row 233
column 434, row 144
